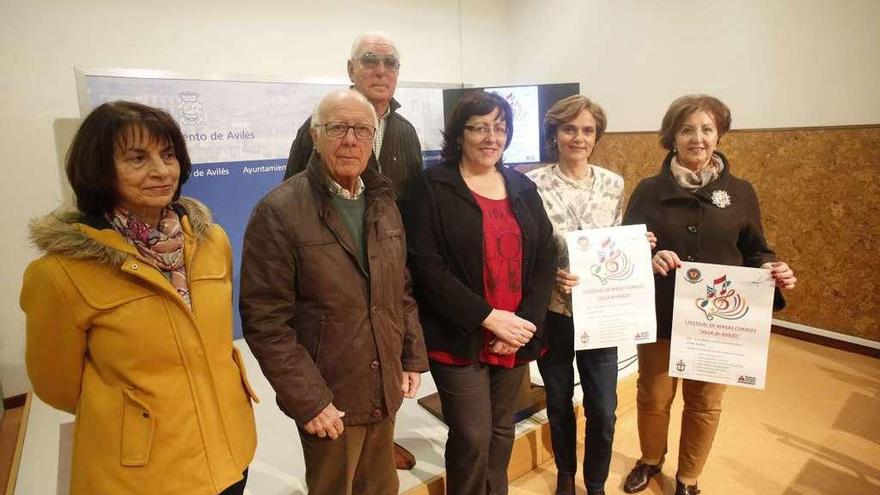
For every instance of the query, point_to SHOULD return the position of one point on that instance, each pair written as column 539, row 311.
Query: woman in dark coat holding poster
column 699, row 212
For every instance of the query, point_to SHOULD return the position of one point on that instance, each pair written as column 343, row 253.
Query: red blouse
column 502, row 274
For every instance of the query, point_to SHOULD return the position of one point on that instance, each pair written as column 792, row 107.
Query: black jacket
column 692, row 226
column 400, row 156
column 445, row 238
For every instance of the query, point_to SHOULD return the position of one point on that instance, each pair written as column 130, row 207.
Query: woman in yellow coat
column 129, row 318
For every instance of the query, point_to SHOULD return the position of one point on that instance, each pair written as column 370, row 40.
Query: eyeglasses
column 371, row 61
column 340, row 129
column 484, row 130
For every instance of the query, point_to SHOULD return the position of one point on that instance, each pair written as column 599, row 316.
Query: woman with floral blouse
column 577, row 195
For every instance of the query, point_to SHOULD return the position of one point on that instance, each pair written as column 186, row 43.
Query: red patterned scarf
column 161, row 247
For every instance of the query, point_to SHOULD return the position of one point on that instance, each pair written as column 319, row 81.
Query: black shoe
column 596, row 492
column 638, row 479
column 682, row 489
column 564, row 484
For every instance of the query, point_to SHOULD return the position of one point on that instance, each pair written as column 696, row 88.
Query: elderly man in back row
column 326, row 304
column 373, row 69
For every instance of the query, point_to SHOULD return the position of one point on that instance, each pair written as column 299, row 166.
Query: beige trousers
column 360, row 461
column 699, row 422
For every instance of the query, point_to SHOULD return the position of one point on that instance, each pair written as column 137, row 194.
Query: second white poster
column 614, row 302
column 721, row 324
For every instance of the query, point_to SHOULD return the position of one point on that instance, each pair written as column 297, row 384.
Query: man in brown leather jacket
column 326, row 305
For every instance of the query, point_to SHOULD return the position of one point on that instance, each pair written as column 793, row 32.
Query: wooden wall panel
column 820, row 199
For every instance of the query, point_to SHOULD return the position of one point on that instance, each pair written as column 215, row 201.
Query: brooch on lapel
column 720, row 198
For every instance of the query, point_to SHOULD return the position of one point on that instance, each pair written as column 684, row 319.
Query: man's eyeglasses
column 371, row 61
column 340, row 129
column 484, row 130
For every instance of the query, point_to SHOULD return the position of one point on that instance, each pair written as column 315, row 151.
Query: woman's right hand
column 565, row 281
column 509, row 328
column 665, row 261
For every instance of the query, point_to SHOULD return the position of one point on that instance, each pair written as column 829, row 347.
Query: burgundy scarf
column 161, row 247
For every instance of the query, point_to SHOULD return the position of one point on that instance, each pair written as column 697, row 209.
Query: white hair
column 367, row 36
column 318, row 114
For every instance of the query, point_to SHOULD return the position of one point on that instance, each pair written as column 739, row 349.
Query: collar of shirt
column 585, row 183
column 344, row 193
column 380, row 135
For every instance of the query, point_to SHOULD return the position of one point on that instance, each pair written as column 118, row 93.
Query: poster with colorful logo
column 613, row 303
column 721, row 324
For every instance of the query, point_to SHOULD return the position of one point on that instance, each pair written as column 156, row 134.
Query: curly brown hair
column 566, row 110
column 683, row 107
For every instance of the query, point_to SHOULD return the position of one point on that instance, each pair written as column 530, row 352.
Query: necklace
column 573, row 177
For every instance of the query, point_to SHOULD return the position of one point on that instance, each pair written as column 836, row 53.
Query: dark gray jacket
column 445, row 237
column 692, row 226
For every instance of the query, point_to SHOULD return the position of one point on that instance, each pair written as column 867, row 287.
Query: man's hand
column 328, row 423
column 411, row 382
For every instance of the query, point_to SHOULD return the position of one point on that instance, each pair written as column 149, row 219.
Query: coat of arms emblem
column 190, row 108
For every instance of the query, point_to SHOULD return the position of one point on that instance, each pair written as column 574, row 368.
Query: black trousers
column 598, row 372
column 478, row 403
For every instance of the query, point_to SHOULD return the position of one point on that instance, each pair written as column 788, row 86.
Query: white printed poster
column 613, row 304
column 721, row 324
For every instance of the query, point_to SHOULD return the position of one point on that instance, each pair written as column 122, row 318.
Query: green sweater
column 352, row 213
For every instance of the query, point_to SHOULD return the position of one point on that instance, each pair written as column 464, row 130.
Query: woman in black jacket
column 699, row 212
column 483, row 261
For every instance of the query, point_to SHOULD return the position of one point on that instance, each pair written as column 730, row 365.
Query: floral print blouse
column 593, row 202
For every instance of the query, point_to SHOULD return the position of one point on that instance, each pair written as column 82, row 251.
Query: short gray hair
column 318, row 114
column 370, row 36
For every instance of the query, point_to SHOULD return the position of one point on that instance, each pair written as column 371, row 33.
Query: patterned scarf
column 161, row 247
column 690, row 180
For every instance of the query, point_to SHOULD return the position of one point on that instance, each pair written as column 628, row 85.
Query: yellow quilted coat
column 160, row 395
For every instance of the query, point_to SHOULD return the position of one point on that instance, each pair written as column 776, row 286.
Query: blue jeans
column 598, row 371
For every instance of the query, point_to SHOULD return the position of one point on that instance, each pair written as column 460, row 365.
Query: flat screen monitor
column 529, row 104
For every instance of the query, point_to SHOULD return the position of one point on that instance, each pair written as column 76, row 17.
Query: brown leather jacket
column 321, row 328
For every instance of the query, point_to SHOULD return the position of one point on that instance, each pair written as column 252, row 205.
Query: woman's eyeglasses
column 484, row 130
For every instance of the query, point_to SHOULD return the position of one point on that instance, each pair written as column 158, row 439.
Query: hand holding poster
column 721, row 324
column 614, row 302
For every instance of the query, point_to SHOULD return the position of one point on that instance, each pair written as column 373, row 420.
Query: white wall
column 776, row 63
column 42, row 40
